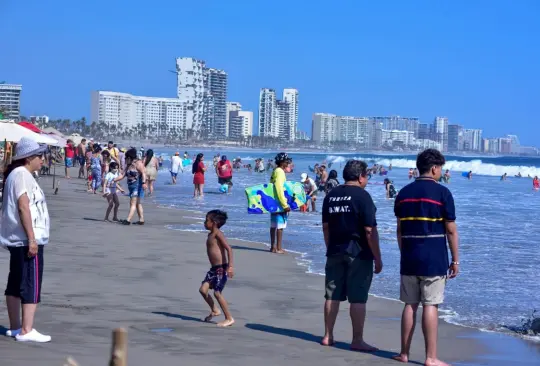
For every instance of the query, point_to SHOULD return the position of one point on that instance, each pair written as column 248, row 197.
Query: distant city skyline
column 481, row 71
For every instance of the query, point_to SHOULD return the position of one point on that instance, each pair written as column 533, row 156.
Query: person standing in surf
column 198, row 170
column 278, row 221
column 224, row 172
column 426, row 220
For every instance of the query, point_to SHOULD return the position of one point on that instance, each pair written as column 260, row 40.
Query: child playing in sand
column 221, row 260
column 109, row 191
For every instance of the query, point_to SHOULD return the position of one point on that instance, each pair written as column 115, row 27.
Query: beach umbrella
column 30, row 126
column 13, row 132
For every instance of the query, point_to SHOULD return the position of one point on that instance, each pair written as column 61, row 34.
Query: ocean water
column 498, row 224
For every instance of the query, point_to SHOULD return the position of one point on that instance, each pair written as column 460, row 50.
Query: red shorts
column 198, row 178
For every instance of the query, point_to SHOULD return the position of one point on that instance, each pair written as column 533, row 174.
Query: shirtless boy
column 221, row 260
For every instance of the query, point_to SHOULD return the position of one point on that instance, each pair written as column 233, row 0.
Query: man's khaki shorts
column 422, row 289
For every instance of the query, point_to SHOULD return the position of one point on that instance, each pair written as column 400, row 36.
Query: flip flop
column 139, row 223
column 125, row 222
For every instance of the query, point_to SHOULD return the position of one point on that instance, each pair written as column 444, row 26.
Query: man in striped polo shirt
column 425, row 221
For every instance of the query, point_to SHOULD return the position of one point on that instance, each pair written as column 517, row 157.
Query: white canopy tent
column 12, row 132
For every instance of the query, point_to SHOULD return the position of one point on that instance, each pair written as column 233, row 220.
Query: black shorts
column 225, row 181
column 25, row 275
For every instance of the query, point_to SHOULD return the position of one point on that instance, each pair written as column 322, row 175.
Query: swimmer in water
column 469, row 175
column 390, row 189
column 536, row 183
column 447, row 176
column 411, row 173
column 503, row 176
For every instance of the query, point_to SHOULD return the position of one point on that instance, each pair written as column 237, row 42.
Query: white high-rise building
column 215, row 103
column 440, row 131
column 472, row 139
column 240, row 124
column 353, row 129
column 122, row 111
column 278, row 118
column 290, row 96
column 231, row 107
column 190, row 89
column 324, row 127
column 10, row 101
column 268, row 114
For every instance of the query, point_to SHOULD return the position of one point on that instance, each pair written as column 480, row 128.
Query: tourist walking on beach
column 136, row 180
column 352, row 249
column 198, row 170
column 278, row 221
column 24, row 232
column 224, row 172
column 176, row 166
column 110, row 188
column 69, row 154
column 425, row 221
column 96, row 168
column 81, row 156
column 151, row 165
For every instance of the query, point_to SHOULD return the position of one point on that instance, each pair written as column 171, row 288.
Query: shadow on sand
column 239, row 247
column 178, row 316
column 293, row 333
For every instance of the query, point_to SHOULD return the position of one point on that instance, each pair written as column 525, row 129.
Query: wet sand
column 99, row 276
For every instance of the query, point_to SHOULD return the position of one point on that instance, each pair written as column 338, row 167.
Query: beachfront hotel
column 278, row 118
column 200, row 105
column 10, row 100
column 122, row 111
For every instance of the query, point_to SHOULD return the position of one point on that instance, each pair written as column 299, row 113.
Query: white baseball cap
column 303, row 177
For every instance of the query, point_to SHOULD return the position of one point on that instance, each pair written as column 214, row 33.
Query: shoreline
column 443, row 313
column 99, row 276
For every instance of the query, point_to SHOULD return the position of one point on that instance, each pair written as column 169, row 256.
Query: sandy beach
column 99, row 276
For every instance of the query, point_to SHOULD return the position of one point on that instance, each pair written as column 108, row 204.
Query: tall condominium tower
column 205, row 92
column 278, row 118
column 231, row 107
column 440, row 131
column 10, row 100
column 290, row 96
column 268, row 114
column 215, row 97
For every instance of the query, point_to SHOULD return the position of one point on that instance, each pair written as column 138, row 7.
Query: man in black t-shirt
column 352, row 245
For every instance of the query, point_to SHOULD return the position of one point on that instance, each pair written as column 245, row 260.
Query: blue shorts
column 174, row 175
column 82, row 160
column 136, row 190
column 217, row 277
column 69, row 162
column 279, row 220
column 25, row 275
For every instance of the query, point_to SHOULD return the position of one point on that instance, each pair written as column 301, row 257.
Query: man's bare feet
column 212, row 314
column 226, row 323
column 435, row 362
column 327, row 342
column 273, row 250
column 281, row 251
column 362, row 347
column 401, row 358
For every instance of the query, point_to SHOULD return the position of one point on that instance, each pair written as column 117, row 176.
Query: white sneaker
column 33, row 336
column 13, row 332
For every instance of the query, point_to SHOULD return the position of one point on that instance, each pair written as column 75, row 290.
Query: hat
column 303, row 177
column 123, row 149
column 224, row 158
column 28, row 147
column 142, row 148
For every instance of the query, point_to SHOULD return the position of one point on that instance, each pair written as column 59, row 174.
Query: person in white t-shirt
column 24, row 231
column 176, row 165
column 110, row 188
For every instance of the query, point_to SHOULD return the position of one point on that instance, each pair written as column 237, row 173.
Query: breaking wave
column 476, row 166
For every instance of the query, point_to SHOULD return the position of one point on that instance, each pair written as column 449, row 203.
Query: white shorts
column 279, row 220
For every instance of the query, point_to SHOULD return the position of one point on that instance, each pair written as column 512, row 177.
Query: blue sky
column 476, row 62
